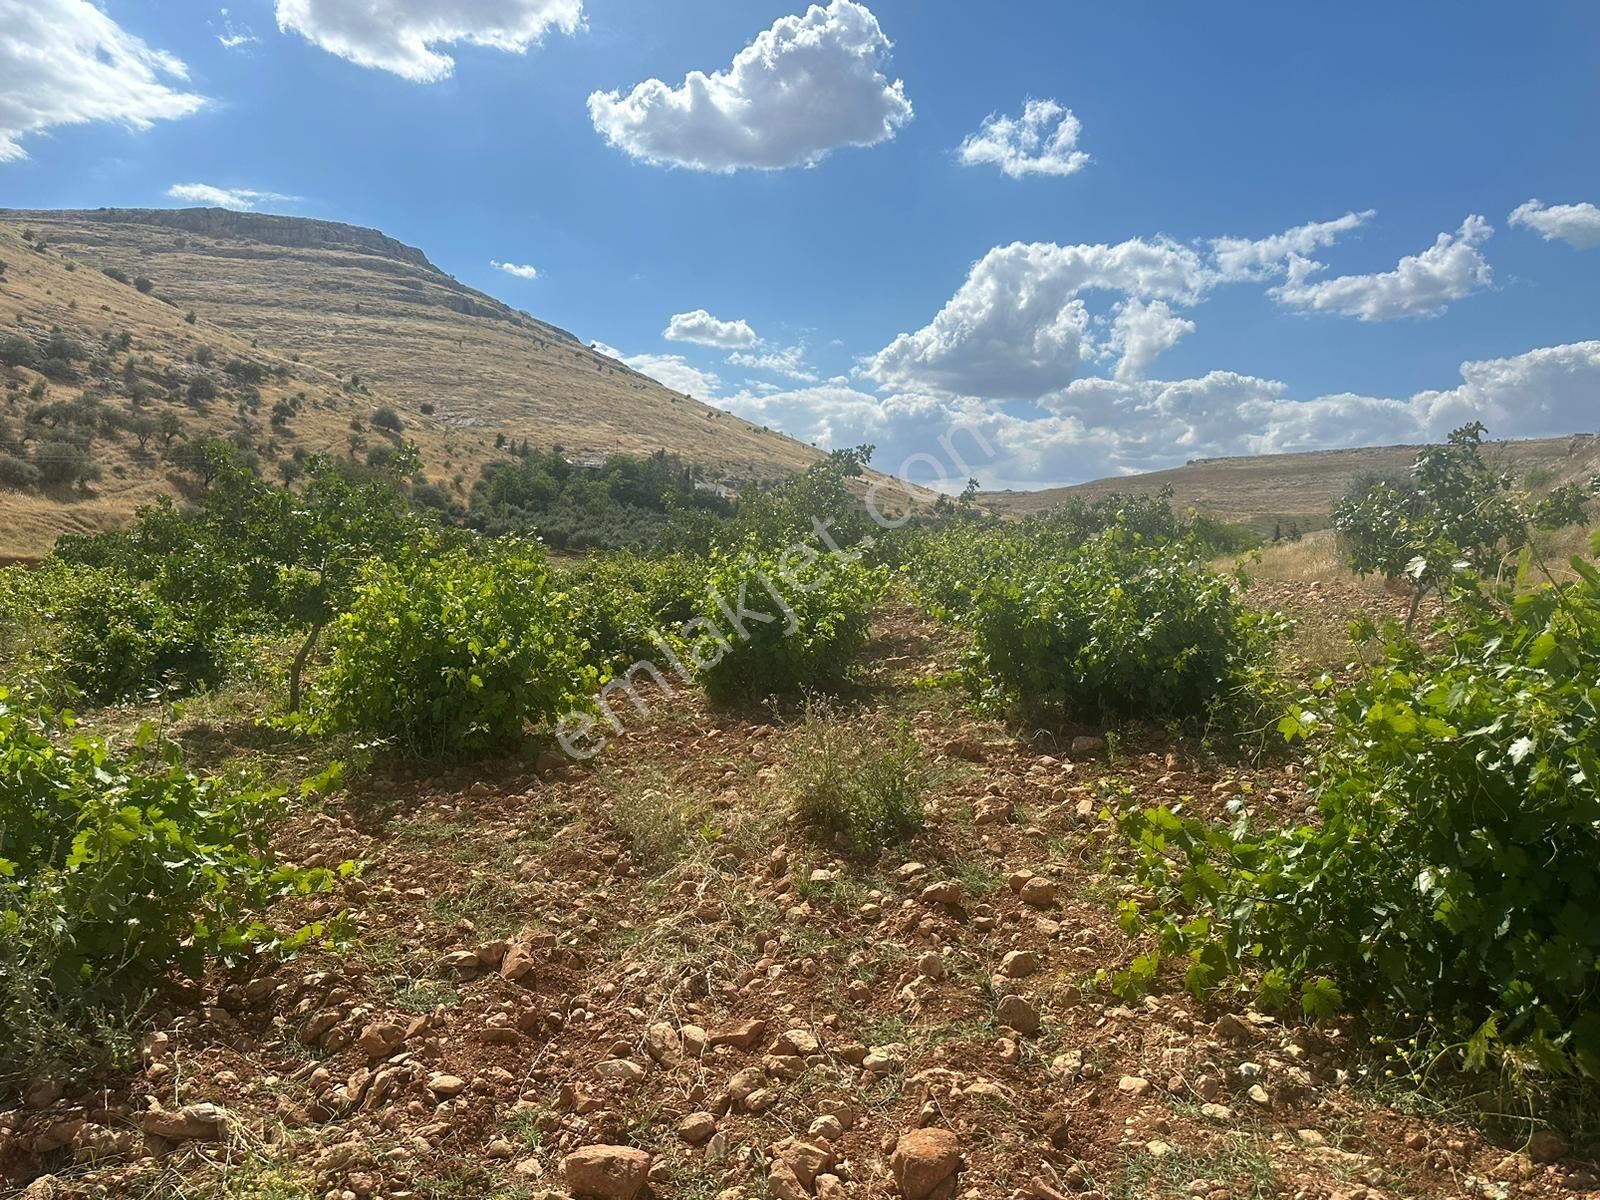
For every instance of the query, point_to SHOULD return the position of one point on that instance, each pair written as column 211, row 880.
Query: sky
column 1093, row 238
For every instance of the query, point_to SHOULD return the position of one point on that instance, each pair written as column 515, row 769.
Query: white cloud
column 1097, row 427
column 64, row 62
column 1543, row 393
column 807, row 86
column 401, row 36
column 520, row 270
column 1243, row 259
column 234, row 37
column 672, row 370
column 1420, row 285
column 1142, row 332
column 1043, row 141
column 1576, row 224
column 1017, row 327
column 701, row 328
column 789, row 362
column 240, row 199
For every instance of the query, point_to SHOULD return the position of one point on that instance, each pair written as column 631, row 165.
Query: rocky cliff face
column 266, row 228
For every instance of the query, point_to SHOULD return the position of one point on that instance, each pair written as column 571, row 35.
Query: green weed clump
column 863, row 783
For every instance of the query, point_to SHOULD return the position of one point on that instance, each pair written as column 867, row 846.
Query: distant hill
column 337, row 320
column 1300, row 489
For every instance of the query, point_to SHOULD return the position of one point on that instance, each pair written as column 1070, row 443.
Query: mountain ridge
column 338, row 321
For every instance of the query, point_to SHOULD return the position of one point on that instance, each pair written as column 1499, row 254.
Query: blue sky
column 1114, row 338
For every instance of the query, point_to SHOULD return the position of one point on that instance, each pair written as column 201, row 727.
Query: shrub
column 112, row 871
column 58, row 370
column 63, row 347
column 244, row 371
column 1451, row 868
column 17, row 473
column 387, row 418
column 61, row 463
column 144, row 284
column 793, row 621
column 18, row 351
column 114, row 637
column 624, row 598
column 859, row 783
column 453, row 656
column 1120, row 629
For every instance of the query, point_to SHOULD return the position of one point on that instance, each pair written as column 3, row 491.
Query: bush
column 62, row 463
column 453, row 656
column 111, row 872
column 17, row 473
column 1120, row 629
column 1451, row 871
column 624, row 598
column 63, row 347
column 114, row 637
column 387, row 418
column 792, row 622
column 18, row 351
column 862, row 784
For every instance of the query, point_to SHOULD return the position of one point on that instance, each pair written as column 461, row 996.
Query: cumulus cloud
column 1141, row 332
column 401, row 36
column 1421, row 285
column 1543, row 393
column 1576, row 224
column 672, row 370
column 803, row 88
column 1018, row 327
column 701, row 328
column 520, row 270
column 240, row 199
column 1095, row 427
column 1244, row 259
column 1043, row 141
column 64, row 62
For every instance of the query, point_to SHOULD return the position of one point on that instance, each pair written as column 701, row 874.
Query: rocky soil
column 641, row 979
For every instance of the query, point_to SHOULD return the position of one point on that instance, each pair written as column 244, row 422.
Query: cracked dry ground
column 554, row 963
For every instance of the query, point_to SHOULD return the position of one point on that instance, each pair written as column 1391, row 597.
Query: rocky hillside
column 1300, row 489
column 332, row 321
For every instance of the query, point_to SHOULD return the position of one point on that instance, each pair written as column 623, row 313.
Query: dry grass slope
column 327, row 303
column 1301, row 489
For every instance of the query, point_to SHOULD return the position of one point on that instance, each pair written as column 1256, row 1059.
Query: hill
column 221, row 319
column 1267, row 490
